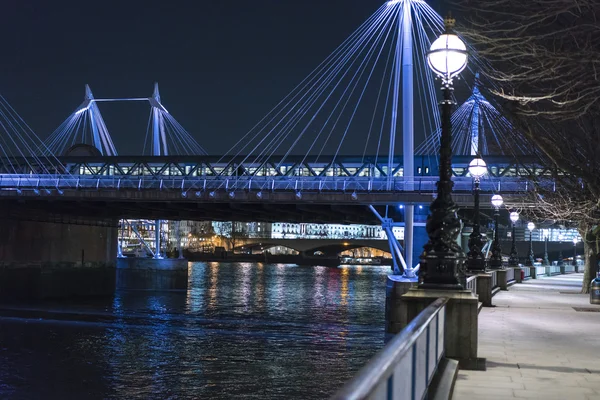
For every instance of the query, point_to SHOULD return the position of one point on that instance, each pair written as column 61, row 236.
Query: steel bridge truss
column 205, row 175
column 211, row 167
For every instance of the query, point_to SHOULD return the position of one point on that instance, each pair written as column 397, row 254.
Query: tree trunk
column 590, row 251
column 590, row 266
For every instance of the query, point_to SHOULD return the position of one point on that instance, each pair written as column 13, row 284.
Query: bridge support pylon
column 45, row 259
column 400, row 266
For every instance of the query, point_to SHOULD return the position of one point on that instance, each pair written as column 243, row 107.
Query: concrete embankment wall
column 50, row 260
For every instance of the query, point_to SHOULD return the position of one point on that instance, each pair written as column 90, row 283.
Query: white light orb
column 530, row 226
column 497, row 201
column 447, row 56
column 477, row 167
column 575, row 240
column 514, row 216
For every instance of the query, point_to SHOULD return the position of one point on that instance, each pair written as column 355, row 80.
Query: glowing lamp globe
column 514, row 216
column 447, row 56
column 575, row 240
column 497, row 201
column 531, row 226
column 477, row 167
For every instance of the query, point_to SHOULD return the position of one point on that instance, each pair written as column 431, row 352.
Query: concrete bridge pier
column 152, row 274
column 44, row 260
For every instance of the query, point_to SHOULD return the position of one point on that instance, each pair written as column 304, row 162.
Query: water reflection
column 241, row 330
column 344, row 291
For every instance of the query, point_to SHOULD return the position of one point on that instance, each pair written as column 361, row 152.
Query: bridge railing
column 208, row 184
column 405, row 367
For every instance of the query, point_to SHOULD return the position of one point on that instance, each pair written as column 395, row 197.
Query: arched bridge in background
column 329, row 247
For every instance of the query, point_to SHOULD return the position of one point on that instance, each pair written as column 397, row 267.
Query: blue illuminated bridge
column 369, row 98
column 201, row 188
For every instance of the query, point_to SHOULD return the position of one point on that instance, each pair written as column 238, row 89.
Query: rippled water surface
column 241, row 330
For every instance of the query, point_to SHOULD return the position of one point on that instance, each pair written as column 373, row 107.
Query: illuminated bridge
column 293, row 164
column 201, row 188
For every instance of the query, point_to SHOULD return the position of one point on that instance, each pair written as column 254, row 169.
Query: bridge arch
column 264, row 247
column 339, row 248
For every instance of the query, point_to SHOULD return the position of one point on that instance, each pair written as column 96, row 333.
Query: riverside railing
column 510, row 275
column 405, row 367
column 494, row 279
column 472, row 284
column 569, row 268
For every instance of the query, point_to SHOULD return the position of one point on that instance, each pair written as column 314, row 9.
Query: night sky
column 221, row 65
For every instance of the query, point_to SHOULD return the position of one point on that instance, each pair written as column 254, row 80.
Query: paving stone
column 537, row 345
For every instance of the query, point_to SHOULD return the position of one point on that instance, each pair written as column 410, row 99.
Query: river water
column 242, row 330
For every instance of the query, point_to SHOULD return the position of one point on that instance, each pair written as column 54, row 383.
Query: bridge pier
column 43, row 260
column 152, row 274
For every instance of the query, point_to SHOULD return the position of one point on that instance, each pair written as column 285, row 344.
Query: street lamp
column 561, row 237
column 496, row 257
column 513, row 260
column 442, row 261
column 475, row 258
column 546, row 260
column 531, row 258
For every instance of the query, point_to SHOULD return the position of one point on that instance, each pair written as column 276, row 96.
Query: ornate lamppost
column 546, row 259
column 475, row 257
column 531, row 258
column 496, row 257
column 561, row 237
column 442, row 260
column 513, row 261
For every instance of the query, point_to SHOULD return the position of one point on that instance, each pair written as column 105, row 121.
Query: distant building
column 286, row 230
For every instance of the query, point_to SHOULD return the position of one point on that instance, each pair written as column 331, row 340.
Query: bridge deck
column 537, row 346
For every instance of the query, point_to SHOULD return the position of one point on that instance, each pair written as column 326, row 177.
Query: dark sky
column 221, row 65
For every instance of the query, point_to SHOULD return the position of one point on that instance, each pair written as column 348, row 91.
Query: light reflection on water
column 240, row 330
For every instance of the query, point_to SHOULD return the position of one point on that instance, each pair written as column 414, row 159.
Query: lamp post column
column 513, row 261
column 531, row 256
column 442, row 256
column 560, row 254
column 442, row 260
column 475, row 258
column 496, row 257
column 546, row 260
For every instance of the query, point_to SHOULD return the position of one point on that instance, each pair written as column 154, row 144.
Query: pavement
column 536, row 345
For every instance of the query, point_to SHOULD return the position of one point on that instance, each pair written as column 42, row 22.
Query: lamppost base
column 476, row 265
column 530, row 262
column 461, row 323
column 495, row 264
column 443, row 271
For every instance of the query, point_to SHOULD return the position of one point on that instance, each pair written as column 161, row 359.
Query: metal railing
column 404, row 368
column 231, row 184
column 569, row 268
column 540, row 271
column 472, row 284
column 552, row 270
column 510, row 275
column 494, row 279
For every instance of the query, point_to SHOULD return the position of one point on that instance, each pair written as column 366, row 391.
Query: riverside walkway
column 537, row 345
